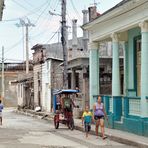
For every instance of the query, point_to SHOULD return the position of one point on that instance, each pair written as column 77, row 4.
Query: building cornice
column 144, row 26
column 114, row 12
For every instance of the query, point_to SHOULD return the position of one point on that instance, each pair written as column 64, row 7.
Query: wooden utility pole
column 26, row 25
column 64, row 43
column 3, row 85
column 27, row 50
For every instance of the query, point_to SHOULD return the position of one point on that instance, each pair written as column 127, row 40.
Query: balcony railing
column 134, row 106
column 123, row 106
column 77, row 54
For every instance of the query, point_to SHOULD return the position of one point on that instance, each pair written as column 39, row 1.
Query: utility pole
column 64, row 43
column 26, row 25
column 27, row 50
column 3, row 85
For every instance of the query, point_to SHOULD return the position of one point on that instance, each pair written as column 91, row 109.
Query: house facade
column 47, row 74
column 25, row 91
column 38, row 60
column 126, row 23
column 11, row 74
column 52, row 78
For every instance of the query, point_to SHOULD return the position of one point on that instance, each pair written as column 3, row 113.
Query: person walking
column 99, row 116
column 1, row 108
column 86, row 120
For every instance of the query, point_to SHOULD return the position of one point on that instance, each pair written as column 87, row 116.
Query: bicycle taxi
column 63, row 107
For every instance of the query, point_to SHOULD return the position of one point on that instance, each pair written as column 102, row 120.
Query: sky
column 46, row 26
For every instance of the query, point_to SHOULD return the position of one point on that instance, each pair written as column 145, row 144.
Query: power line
column 13, row 46
column 20, row 41
column 42, row 32
column 76, row 11
column 55, row 2
column 32, row 12
column 17, row 43
column 27, row 2
column 42, row 12
column 53, row 36
column 22, row 6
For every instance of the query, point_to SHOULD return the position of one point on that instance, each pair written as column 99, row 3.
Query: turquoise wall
column 121, row 119
column 131, row 80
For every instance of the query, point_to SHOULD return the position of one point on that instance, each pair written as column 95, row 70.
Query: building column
column 125, row 67
column 73, row 79
column 84, row 71
column 144, row 68
column 115, row 66
column 116, row 91
column 94, row 72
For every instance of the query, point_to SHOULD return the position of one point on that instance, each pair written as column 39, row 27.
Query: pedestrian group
column 97, row 116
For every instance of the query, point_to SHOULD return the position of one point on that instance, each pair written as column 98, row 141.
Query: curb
column 123, row 140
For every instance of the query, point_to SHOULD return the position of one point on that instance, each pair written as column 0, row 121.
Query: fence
column 124, row 113
column 122, row 106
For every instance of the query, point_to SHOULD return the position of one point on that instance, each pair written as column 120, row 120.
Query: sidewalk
column 113, row 134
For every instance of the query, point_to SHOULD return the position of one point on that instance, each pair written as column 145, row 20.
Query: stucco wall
column 37, row 76
column 10, row 99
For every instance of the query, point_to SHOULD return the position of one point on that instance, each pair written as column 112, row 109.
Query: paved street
column 19, row 131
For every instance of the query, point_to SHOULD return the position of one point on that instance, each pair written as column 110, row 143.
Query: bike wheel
column 71, row 124
column 56, row 123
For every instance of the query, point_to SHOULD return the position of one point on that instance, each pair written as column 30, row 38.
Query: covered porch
column 126, row 23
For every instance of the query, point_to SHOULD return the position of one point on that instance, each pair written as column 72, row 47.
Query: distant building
column 47, row 74
column 25, row 91
column 11, row 73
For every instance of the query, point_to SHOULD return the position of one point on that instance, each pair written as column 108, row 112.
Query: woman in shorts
column 99, row 116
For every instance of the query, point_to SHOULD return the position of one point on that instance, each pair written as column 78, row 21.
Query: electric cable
column 76, row 11
column 32, row 12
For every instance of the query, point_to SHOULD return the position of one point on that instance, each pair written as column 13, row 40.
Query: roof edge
column 85, row 26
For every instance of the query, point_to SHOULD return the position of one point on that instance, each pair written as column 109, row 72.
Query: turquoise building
column 126, row 23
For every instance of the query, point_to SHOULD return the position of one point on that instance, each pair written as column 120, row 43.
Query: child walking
column 86, row 120
column 1, row 108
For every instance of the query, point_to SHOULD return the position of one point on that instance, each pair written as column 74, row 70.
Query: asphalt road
column 20, row 131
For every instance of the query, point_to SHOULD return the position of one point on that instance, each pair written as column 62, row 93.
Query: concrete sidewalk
column 113, row 134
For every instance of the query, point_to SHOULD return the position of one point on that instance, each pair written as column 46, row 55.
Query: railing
column 134, row 106
column 104, row 53
column 78, row 54
column 110, row 104
column 122, row 106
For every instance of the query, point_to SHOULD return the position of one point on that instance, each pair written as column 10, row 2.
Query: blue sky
column 45, row 24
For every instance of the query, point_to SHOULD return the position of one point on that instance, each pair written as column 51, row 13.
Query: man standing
column 1, row 108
